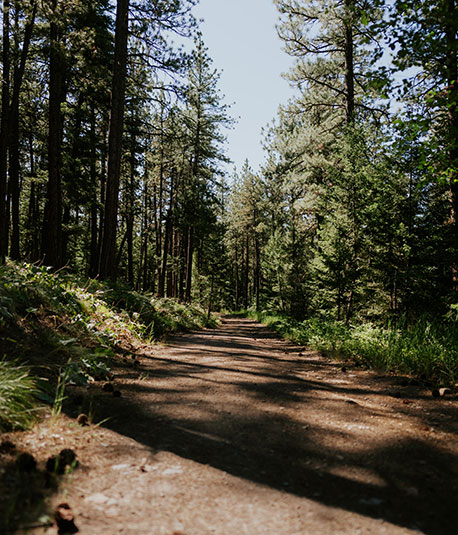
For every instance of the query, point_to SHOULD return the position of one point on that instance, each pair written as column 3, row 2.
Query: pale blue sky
column 243, row 43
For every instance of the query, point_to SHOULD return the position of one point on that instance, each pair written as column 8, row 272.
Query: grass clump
column 427, row 349
column 17, row 401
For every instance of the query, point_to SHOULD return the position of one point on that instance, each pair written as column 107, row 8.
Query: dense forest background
column 112, row 159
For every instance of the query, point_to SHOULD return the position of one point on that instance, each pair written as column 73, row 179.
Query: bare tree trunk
column 168, row 224
column 452, row 79
column 101, row 211
column 5, row 81
column 33, row 251
column 130, row 214
column 52, row 224
column 14, row 166
column 189, row 256
column 236, row 275
column 349, row 64
column 93, row 249
column 107, row 268
column 247, row 267
column 258, row 272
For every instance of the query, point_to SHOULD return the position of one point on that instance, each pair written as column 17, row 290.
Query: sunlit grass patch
column 425, row 348
column 17, row 401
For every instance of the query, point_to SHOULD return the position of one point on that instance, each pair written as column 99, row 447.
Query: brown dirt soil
column 233, row 431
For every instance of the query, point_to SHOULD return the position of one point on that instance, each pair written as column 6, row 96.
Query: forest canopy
column 112, row 160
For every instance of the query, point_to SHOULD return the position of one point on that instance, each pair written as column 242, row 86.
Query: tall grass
column 17, row 400
column 427, row 349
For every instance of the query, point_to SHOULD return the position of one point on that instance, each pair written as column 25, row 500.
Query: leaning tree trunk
column 107, row 268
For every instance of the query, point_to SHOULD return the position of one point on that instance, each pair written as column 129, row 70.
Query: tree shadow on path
column 243, row 402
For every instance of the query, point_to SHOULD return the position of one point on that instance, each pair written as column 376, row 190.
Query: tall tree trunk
column 236, row 275
column 130, row 215
column 349, row 64
column 93, row 248
column 5, row 81
column 33, row 241
column 160, row 202
column 103, row 182
column 258, row 272
column 168, row 225
column 52, row 224
column 189, row 256
column 14, row 166
column 108, row 253
column 247, row 268
column 452, row 79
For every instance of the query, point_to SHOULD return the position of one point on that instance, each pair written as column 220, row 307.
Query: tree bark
column 189, row 256
column 349, row 64
column 52, row 224
column 14, row 165
column 107, row 269
column 452, row 79
column 247, row 267
column 93, row 249
column 5, row 81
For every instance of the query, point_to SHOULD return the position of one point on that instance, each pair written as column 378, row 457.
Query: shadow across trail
column 248, row 404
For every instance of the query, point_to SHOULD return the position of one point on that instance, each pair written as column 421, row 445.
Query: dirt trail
column 232, row 431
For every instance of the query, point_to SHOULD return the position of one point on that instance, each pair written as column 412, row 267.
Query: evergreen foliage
column 112, row 158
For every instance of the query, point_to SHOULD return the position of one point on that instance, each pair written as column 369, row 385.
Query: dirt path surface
column 232, row 431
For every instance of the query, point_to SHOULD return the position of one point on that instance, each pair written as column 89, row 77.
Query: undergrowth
column 426, row 349
column 56, row 325
column 17, row 402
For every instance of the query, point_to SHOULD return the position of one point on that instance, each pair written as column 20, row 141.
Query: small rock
column 121, row 467
column 108, row 387
column 117, row 394
column 83, row 419
column 98, row 499
column 26, row 462
column 65, row 519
